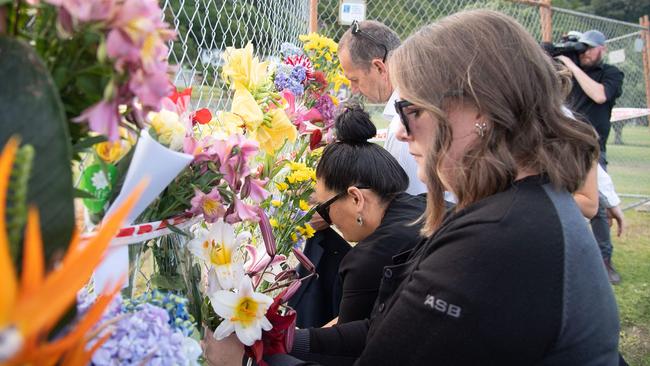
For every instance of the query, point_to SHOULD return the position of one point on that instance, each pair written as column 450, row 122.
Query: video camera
column 568, row 46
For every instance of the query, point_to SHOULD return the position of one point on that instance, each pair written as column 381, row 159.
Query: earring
column 480, row 128
column 359, row 220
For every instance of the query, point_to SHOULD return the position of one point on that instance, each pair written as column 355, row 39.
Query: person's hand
column 317, row 222
column 226, row 352
column 616, row 214
column 331, row 323
column 566, row 61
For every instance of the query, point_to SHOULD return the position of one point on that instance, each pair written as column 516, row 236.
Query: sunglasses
column 399, row 107
column 323, row 209
column 401, row 104
column 356, row 30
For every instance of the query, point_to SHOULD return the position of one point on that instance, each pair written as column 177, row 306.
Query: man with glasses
column 596, row 85
column 364, row 50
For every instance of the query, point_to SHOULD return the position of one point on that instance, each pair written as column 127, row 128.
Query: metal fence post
column 313, row 16
column 546, row 20
column 645, row 36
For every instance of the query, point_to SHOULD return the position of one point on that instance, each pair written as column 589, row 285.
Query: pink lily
column 140, row 22
column 89, row 10
column 199, row 148
column 299, row 115
column 103, row 118
column 267, row 233
column 208, row 204
column 150, row 88
column 254, row 188
column 234, row 155
column 257, row 263
column 241, row 211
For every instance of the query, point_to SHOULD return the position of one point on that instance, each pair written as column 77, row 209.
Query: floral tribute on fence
column 239, row 180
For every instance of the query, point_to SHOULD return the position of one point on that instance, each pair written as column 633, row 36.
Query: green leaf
column 30, row 107
column 79, row 193
column 88, row 142
column 178, row 231
column 167, row 282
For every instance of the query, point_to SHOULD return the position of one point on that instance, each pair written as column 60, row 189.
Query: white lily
column 216, row 247
column 242, row 312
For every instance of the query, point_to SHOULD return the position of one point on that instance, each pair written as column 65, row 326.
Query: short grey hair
column 362, row 50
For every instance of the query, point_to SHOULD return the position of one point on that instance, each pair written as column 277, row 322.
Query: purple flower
column 208, row 204
column 282, row 81
column 299, row 73
column 327, row 109
column 103, row 118
column 145, row 335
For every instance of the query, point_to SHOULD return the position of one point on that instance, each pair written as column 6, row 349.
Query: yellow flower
column 282, row 186
column 303, row 205
column 334, row 99
column 245, row 107
column 241, row 69
column 328, row 56
column 317, row 152
column 295, row 166
column 226, row 124
column 276, row 203
column 111, row 152
column 300, row 173
column 339, row 80
column 273, row 222
column 309, row 231
column 294, row 237
column 273, row 137
column 168, row 128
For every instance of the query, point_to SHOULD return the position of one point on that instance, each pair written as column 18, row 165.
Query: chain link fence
column 206, row 27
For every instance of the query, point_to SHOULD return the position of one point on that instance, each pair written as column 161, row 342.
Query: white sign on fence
column 616, row 57
column 351, row 10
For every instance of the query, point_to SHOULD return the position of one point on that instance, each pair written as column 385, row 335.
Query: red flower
column 280, row 338
column 201, row 116
column 176, row 94
column 315, row 139
column 320, row 81
column 303, row 61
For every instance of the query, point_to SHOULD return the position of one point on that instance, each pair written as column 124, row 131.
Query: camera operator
column 596, row 85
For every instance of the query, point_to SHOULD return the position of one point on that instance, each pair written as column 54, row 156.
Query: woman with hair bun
column 360, row 189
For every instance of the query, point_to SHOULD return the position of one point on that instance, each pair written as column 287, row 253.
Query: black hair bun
column 353, row 125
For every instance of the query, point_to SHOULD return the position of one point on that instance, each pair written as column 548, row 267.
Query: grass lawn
column 632, row 259
column 629, row 164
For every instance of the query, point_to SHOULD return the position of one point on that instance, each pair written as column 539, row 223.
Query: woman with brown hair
column 512, row 276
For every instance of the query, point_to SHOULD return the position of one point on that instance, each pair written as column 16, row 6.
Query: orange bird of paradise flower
column 30, row 307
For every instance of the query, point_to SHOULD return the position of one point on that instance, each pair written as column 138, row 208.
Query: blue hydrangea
column 299, row 73
column 146, row 332
column 289, row 49
column 283, row 81
column 176, row 306
column 144, row 335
